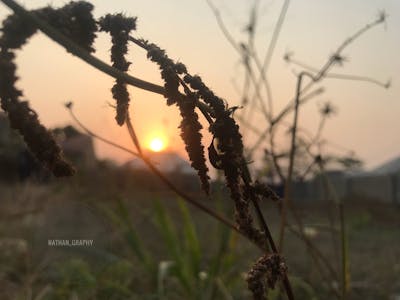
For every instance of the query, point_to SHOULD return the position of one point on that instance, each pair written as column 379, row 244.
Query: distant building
column 77, row 147
column 171, row 164
column 381, row 184
column 390, row 167
column 166, row 162
column 17, row 162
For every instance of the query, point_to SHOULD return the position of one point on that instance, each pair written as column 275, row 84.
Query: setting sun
column 157, row 144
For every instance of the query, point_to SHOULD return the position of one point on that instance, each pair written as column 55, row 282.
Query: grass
column 165, row 250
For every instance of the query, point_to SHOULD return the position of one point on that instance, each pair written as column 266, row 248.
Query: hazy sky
column 368, row 115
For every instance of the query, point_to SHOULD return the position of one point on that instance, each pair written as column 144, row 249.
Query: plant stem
column 288, row 180
column 76, row 50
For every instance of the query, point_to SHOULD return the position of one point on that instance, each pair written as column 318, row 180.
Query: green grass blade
column 168, row 232
column 121, row 218
column 192, row 245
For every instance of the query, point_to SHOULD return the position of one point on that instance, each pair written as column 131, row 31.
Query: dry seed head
column 190, row 125
column 119, row 28
column 264, row 274
column 15, row 33
column 227, row 154
column 190, row 133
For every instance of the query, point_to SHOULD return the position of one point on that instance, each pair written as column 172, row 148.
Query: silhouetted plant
column 264, row 274
column 226, row 151
column 119, row 27
column 190, row 126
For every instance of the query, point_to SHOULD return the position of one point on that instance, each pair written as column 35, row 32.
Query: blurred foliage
column 186, row 273
column 152, row 250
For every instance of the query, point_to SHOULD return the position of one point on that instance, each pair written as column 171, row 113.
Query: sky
column 367, row 115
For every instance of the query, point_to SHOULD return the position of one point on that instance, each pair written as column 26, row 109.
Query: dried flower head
column 76, row 22
column 327, row 109
column 338, row 59
column 119, row 28
column 22, row 118
column 190, row 125
column 190, row 133
column 226, row 153
column 15, row 32
column 264, row 274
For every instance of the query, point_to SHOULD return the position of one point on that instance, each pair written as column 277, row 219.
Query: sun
column 157, row 144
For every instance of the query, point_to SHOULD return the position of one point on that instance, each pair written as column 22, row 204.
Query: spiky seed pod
column 216, row 103
column 190, row 125
column 265, row 273
column 190, row 133
column 226, row 153
column 169, row 71
column 15, row 32
column 229, row 150
column 22, row 118
column 119, row 28
column 76, row 22
column 224, row 129
column 264, row 191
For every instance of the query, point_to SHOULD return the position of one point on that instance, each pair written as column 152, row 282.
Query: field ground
column 32, row 214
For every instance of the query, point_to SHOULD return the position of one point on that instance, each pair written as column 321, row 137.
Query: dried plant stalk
column 119, row 27
column 226, row 151
column 190, row 125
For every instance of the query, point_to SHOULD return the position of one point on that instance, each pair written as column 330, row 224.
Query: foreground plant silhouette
column 74, row 25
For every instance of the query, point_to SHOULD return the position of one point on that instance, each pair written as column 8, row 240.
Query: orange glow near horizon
column 157, row 144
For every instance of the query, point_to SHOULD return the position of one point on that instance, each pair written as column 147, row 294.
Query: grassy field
column 147, row 245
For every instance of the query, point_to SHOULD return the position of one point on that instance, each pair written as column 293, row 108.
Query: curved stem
column 159, row 174
column 76, row 50
column 288, row 182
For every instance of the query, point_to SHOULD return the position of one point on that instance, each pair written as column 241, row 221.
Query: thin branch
column 157, row 172
column 330, row 62
column 268, row 56
column 320, row 74
column 275, row 35
column 96, row 136
column 76, row 50
column 288, row 180
column 343, row 235
column 261, row 137
column 132, row 133
column 342, row 76
column 245, row 52
column 359, row 78
column 221, row 25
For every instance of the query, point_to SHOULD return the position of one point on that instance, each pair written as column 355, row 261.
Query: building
column 171, row 165
column 17, row 162
column 381, row 184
